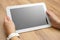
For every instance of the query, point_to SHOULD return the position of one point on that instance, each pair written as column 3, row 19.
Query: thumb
column 7, row 19
column 52, row 16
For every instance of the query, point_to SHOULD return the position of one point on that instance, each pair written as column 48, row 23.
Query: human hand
column 9, row 25
column 55, row 21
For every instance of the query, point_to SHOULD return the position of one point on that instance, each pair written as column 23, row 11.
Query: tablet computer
column 28, row 17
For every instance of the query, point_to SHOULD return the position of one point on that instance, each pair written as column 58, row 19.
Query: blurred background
column 44, row 34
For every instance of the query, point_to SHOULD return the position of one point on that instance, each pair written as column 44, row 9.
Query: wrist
column 12, row 35
column 9, row 32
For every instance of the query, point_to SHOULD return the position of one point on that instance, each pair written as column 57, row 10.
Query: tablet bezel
column 28, row 5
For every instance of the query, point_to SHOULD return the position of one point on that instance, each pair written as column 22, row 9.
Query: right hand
column 55, row 21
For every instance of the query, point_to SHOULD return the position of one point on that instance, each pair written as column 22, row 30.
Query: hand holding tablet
column 29, row 17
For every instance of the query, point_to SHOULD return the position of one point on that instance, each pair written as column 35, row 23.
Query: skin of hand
column 9, row 25
column 55, row 21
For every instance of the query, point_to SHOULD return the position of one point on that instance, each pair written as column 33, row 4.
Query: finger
column 6, row 20
column 53, row 16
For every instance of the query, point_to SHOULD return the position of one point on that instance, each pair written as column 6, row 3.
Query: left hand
column 9, row 25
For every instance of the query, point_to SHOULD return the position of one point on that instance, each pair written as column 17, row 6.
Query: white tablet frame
column 28, row 5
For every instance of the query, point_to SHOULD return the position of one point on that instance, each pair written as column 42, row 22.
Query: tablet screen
column 28, row 17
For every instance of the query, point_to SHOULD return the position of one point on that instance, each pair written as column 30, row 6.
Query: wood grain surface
column 43, row 34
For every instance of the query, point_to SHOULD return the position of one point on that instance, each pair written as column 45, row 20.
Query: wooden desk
column 44, row 34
